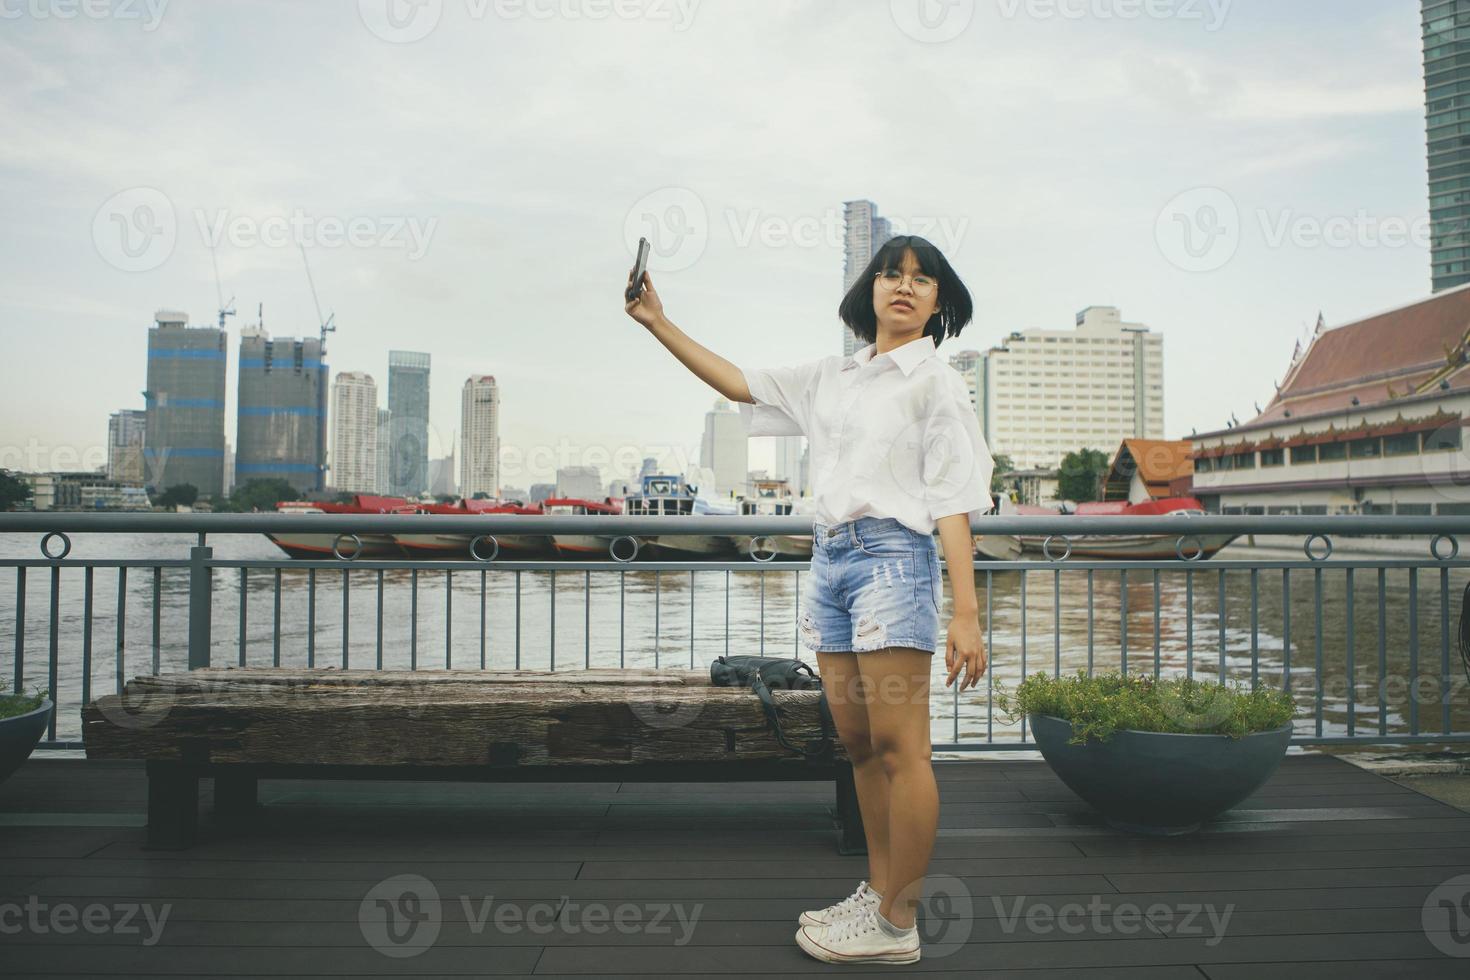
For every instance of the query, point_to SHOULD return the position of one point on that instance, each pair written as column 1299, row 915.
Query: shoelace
column 861, row 922
column 856, row 898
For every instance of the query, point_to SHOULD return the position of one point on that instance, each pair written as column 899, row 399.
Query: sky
column 470, row 177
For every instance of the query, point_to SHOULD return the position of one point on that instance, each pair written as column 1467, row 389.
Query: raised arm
column 706, row 365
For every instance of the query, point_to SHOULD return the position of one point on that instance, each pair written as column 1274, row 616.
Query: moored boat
column 770, row 497
column 669, row 496
column 1142, row 547
column 307, row 545
column 581, row 545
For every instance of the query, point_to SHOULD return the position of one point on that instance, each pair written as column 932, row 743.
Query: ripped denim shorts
column 874, row 584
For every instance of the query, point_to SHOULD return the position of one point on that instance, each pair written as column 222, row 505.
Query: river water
column 641, row 618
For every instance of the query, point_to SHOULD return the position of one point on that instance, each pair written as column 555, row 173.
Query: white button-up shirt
column 891, row 436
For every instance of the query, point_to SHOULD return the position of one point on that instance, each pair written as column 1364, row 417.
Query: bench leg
column 235, row 793
column 850, row 836
column 173, row 805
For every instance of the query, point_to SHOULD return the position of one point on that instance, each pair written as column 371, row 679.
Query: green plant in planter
column 1103, row 704
column 19, row 704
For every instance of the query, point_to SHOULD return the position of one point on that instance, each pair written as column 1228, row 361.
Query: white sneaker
column 821, row 917
column 858, row 938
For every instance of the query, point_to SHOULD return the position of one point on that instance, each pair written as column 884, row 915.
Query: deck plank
column 1324, row 871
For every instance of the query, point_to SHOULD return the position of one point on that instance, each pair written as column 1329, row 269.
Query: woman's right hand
column 647, row 309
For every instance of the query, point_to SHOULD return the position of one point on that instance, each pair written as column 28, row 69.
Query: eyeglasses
column 922, row 285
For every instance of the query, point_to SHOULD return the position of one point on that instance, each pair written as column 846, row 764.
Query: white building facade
column 724, row 451
column 479, row 421
column 354, row 450
column 1045, row 393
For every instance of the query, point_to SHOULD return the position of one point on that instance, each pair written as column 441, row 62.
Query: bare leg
column 897, row 681
column 843, row 684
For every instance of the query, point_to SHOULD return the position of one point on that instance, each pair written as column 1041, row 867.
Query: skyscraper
column 282, row 401
column 724, row 450
column 354, row 457
column 126, row 430
column 408, row 404
column 385, row 451
column 864, row 232
column 479, row 421
column 185, row 405
column 1447, row 112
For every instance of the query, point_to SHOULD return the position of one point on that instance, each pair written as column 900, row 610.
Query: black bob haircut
column 951, row 313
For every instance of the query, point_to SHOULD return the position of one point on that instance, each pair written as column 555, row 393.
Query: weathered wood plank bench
column 239, row 725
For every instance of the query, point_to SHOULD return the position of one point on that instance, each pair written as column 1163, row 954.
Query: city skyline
column 1297, row 141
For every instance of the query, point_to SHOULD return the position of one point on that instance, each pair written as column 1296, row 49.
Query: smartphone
column 636, row 285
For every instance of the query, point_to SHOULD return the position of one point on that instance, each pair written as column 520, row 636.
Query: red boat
column 582, row 545
column 1138, row 546
column 452, row 546
column 306, row 545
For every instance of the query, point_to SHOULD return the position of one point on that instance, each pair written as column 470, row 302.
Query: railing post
column 200, row 604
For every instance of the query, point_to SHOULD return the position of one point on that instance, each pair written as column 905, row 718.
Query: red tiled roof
column 1158, row 460
column 1399, row 350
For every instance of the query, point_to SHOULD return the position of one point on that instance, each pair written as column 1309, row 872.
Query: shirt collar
column 907, row 356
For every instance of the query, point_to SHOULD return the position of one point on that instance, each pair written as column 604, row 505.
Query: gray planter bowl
column 1160, row 783
column 19, row 735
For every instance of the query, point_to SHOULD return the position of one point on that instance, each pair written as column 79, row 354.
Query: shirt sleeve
column 957, row 464
column 783, row 399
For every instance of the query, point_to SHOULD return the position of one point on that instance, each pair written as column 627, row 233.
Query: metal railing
column 1405, row 692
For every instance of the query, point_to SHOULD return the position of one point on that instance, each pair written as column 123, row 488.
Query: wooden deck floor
column 1324, row 873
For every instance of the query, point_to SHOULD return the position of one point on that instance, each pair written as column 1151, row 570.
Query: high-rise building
column 1447, row 122
column 789, row 451
column 385, row 451
column 354, row 456
column 863, row 233
column 724, row 450
column 408, row 404
column 126, row 430
column 579, row 481
column 479, row 423
column 282, row 410
column 1049, row 392
column 185, row 405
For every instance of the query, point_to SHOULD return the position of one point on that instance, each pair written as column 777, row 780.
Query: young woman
column 896, row 453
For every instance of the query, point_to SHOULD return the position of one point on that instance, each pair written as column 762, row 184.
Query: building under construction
column 282, row 410
column 184, row 404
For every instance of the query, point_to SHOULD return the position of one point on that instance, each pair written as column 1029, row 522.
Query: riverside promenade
column 1329, row 869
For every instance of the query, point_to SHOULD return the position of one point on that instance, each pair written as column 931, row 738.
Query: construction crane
column 327, row 326
column 225, row 309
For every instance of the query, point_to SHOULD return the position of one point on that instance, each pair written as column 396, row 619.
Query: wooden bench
column 242, row 724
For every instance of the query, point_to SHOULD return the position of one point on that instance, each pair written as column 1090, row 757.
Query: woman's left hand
column 965, row 647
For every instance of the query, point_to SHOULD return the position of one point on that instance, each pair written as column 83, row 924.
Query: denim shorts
column 874, row 583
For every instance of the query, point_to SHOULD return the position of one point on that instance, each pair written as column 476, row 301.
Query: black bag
column 764, row 674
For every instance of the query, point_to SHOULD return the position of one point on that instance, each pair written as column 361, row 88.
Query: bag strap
column 819, row 751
